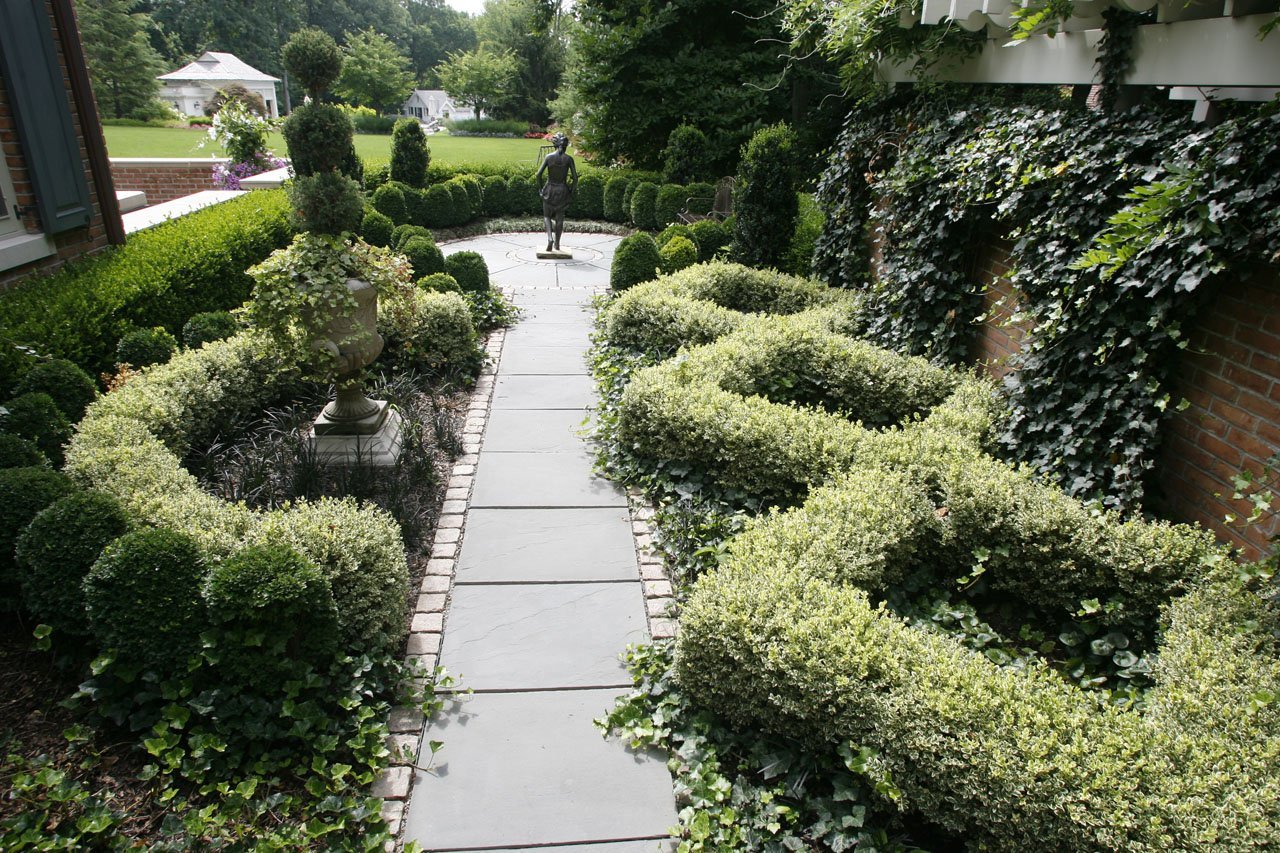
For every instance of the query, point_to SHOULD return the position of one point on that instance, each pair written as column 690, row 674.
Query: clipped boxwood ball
column 23, row 493
column 635, row 260
column 678, row 253
column 319, row 138
column 376, row 228
column 389, row 200
column 144, row 347
column 19, row 452
column 70, row 387
column 440, row 282
column 612, row 203
column 677, row 230
column 402, row 233
column 272, row 606
column 424, row 256
column 312, row 58
column 644, row 201
column 470, row 271
column 437, row 207
column 37, row 418
column 143, row 599
column 57, row 550
column 326, row 203
column 711, row 237
column 209, row 326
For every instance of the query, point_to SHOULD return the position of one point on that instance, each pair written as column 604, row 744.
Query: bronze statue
column 558, row 192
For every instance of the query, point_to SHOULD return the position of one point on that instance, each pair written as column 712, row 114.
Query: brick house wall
column 1230, row 377
column 70, row 244
column 164, row 179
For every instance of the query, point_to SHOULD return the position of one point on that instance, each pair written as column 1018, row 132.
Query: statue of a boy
column 562, row 178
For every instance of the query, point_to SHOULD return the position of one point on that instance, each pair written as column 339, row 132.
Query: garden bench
column 721, row 204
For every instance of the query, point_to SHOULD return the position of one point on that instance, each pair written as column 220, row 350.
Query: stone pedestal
column 381, row 446
column 555, row 255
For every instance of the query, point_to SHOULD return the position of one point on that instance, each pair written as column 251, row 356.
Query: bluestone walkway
column 546, row 595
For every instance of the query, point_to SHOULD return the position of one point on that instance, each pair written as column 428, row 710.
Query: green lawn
column 180, row 142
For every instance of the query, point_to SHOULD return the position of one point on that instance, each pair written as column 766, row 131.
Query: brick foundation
column 164, row 179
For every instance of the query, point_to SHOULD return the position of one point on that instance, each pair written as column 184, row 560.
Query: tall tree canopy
column 479, row 77
column 642, row 69
column 531, row 31
column 375, row 74
column 437, row 31
column 122, row 63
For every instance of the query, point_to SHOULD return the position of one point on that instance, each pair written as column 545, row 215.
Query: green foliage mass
column 208, row 326
column 37, row 418
column 318, row 136
column 764, row 198
column 19, row 452
column 686, row 158
column 410, row 156
column 643, row 207
column 24, row 492
column 374, row 72
column 71, row 389
column 677, row 253
column 161, row 277
column 56, row 552
column 1112, row 262
column 668, row 204
column 612, row 204
column 424, row 256
column 389, row 200
column 312, row 58
column 712, row 238
column 122, row 63
column 635, row 260
column 143, row 599
column 145, row 347
column 469, row 270
column 496, row 200
column 376, row 228
column 637, row 80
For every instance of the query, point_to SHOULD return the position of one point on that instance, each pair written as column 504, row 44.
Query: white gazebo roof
column 214, row 66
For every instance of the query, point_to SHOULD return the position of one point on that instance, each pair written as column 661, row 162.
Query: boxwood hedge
column 160, row 278
column 130, row 446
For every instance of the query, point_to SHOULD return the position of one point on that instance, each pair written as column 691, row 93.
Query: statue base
column 379, row 448
column 555, row 255
column 368, row 425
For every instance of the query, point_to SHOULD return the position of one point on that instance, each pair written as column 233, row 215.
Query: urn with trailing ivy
column 321, row 292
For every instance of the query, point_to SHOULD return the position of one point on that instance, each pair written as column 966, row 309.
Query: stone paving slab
column 541, row 480
column 566, row 315
column 558, row 295
column 547, row 545
column 651, row 845
column 543, row 636
column 524, row 391
column 525, row 275
column 541, row 359
column 540, row 332
column 534, row 431
column 546, row 773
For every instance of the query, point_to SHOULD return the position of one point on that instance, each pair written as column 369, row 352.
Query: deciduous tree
column 375, row 73
column 479, row 77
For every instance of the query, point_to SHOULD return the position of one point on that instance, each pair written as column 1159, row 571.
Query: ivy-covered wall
column 1108, row 237
column 1229, row 376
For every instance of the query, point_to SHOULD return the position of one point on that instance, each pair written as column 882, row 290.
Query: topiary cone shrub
column 635, row 260
column 612, row 201
column 644, row 201
column 410, row 156
column 437, row 207
column 669, row 203
column 496, row 197
column 764, row 199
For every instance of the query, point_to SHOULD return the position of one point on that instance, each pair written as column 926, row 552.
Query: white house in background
column 428, row 104
column 189, row 89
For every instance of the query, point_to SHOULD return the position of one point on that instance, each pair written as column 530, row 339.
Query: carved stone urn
column 353, row 340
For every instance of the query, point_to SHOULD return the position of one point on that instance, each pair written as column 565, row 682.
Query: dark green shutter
column 38, row 100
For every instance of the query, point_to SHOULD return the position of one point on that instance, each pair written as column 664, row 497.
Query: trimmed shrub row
column 162, row 277
column 130, row 444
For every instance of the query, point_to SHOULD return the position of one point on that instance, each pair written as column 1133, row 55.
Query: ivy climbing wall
column 1229, row 376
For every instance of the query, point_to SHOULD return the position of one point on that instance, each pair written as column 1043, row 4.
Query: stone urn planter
column 353, row 340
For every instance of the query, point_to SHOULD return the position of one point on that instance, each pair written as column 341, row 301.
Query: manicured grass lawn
column 179, row 142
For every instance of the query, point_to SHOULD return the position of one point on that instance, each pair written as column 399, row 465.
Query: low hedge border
column 785, row 636
column 130, row 445
column 161, row 277
column 743, row 432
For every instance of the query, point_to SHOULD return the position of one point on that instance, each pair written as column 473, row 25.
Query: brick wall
column 70, row 244
column 164, row 179
column 1230, row 376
